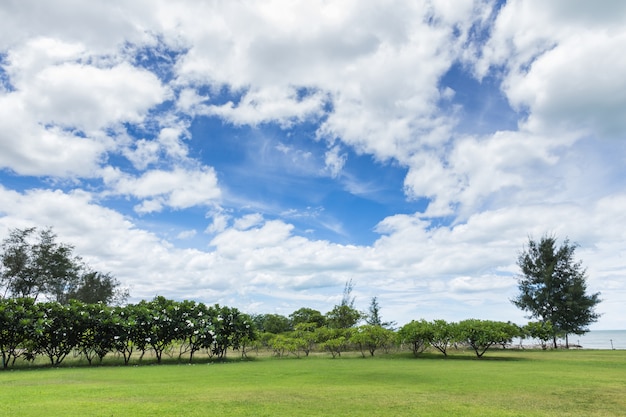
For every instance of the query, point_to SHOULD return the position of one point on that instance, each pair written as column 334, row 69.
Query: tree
column 272, row 323
column 33, row 263
column 95, row 287
column 233, row 329
column 441, row 334
column 344, row 315
column 371, row 337
column 57, row 330
column 482, row 334
column 307, row 315
column 373, row 317
column 540, row 330
column 195, row 328
column 417, row 333
column 16, row 322
column 99, row 330
column 334, row 340
column 305, row 334
column 553, row 287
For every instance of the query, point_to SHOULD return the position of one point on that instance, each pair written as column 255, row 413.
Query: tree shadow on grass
column 459, row 355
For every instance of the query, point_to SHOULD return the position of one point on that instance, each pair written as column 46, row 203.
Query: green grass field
column 504, row 383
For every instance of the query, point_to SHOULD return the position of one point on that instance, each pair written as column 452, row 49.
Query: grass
column 504, row 383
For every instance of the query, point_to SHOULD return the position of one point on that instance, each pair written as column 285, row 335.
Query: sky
column 261, row 154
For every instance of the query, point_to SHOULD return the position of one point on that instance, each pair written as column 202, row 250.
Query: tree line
column 52, row 330
column 53, row 304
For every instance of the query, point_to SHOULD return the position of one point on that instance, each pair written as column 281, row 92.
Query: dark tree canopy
column 553, row 288
column 34, row 264
column 96, row 287
column 307, row 315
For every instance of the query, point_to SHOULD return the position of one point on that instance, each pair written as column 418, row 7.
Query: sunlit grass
column 506, row 383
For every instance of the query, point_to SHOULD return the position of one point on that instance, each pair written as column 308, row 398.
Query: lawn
column 504, row 383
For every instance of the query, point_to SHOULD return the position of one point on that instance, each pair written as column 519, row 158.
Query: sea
column 594, row 339
column 600, row 339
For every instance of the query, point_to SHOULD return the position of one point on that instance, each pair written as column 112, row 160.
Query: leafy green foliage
column 417, row 334
column 344, row 315
column 16, row 321
column 272, row 323
column 552, row 287
column 441, row 334
column 34, row 264
column 373, row 316
column 95, row 287
column 371, row 337
column 539, row 330
column 480, row 335
column 57, row 330
column 307, row 315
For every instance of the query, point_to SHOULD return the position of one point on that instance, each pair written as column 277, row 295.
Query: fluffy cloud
column 177, row 189
column 60, row 108
column 563, row 63
column 76, row 97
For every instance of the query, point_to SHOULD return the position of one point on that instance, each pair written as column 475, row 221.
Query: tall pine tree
column 553, row 287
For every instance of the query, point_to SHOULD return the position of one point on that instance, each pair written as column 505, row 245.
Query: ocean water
column 600, row 339
column 595, row 339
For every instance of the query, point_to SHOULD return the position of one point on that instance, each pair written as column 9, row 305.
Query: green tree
column 417, row 334
column 16, row 321
column 272, row 323
column 95, row 287
column 233, row 329
column 305, row 333
column 98, row 334
column 126, row 327
column 307, row 315
column 441, row 334
column 57, row 330
column 480, row 335
column 344, row 315
column 370, row 338
column 161, row 327
column 34, row 263
column 195, row 328
column 373, row 316
column 552, row 287
column 540, row 330
column 334, row 340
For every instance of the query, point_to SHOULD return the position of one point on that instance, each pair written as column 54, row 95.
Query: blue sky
column 261, row 154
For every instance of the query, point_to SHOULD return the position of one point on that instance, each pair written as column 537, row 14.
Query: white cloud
column 177, row 189
column 335, row 161
column 419, row 267
column 102, row 25
column 370, row 73
column 248, row 221
column 55, row 116
column 29, row 148
column 578, row 85
column 275, row 104
column 186, row 234
column 563, row 63
column 366, row 59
